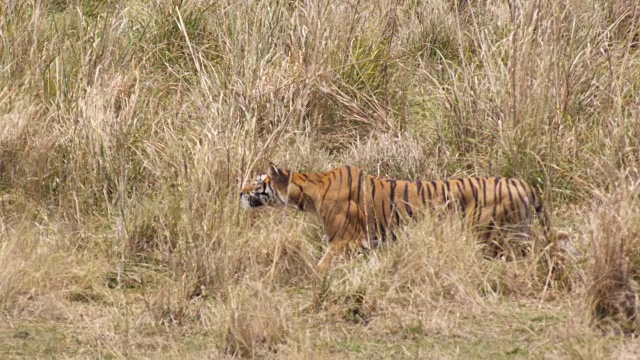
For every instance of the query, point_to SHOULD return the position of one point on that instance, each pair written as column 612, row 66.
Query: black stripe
column 447, row 193
column 359, row 187
column 298, row 185
column 349, row 187
column 511, row 211
column 499, row 189
column 336, row 203
column 388, row 222
column 421, row 193
column 474, row 191
column 326, row 191
column 528, row 191
column 534, row 194
column 432, row 196
column 373, row 191
column 406, row 200
column 506, row 180
column 305, row 177
column 495, row 199
column 484, row 192
column 373, row 200
column 522, row 183
column 392, row 197
column 463, row 200
column 373, row 197
column 383, row 232
column 523, row 204
column 435, row 188
column 301, row 199
column 515, row 184
column 525, row 187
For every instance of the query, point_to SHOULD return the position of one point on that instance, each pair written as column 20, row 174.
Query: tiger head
column 267, row 189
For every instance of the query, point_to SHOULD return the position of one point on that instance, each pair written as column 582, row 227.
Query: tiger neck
column 308, row 186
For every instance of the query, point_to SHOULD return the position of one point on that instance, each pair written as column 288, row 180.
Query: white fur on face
column 244, row 201
column 262, row 195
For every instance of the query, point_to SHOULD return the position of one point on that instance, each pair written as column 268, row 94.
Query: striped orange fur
column 360, row 210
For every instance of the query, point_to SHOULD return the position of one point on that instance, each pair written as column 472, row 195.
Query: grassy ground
column 128, row 127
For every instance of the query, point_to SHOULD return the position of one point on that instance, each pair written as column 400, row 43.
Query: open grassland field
column 127, row 128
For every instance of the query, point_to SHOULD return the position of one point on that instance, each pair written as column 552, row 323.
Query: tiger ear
column 275, row 173
column 273, row 170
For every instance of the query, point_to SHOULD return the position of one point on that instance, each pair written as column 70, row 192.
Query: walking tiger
column 359, row 210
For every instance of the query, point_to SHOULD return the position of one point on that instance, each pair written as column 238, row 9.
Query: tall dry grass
column 127, row 127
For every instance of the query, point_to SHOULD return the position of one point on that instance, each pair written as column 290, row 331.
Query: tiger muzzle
column 249, row 201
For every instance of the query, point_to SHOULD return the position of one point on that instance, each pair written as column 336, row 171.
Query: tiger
column 360, row 211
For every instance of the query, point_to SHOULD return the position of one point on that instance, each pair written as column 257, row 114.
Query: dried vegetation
column 128, row 126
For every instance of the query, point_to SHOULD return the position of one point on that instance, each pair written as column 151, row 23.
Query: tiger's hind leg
column 517, row 240
column 509, row 242
column 492, row 246
column 519, row 237
column 507, row 234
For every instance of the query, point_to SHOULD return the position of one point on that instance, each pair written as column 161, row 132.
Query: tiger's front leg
column 337, row 247
column 325, row 263
column 343, row 237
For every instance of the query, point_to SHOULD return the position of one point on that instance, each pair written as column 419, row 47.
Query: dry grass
column 127, row 128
